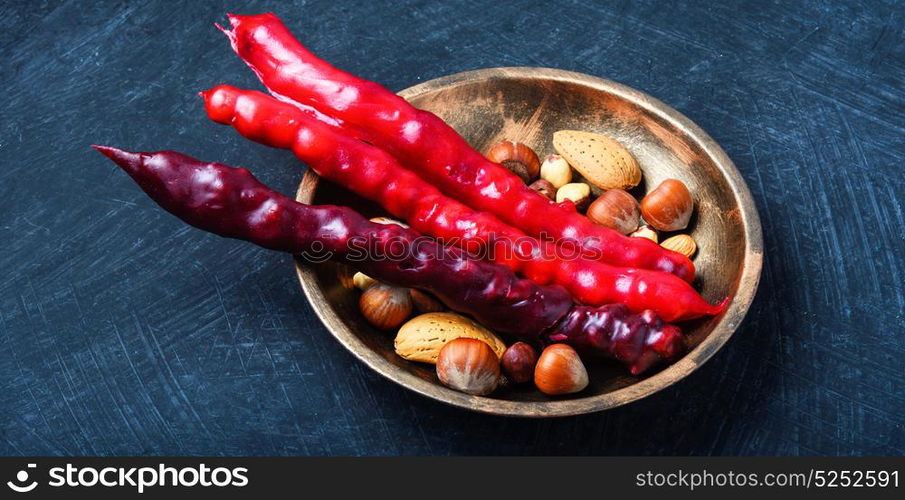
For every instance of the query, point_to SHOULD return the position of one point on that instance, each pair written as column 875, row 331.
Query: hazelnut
column 388, row 220
column 560, row 371
column 578, row 193
column 616, row 209
column 681, row 243
column 556, row 170
column 545, row 188
column 517, row 157
column 385, row 306
column 362, row 281
column 468, row 365
column 518, row 362
column 645, row 232
column 424, row 302
column 668, row 207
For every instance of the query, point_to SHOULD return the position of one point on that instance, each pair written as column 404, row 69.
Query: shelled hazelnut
column 556, row 170
column 362, row 281
column 578, row 193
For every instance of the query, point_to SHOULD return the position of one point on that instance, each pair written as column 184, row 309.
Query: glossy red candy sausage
column 431, row 148
column 374, row 174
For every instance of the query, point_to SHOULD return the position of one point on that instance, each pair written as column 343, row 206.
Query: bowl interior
column 529, row 105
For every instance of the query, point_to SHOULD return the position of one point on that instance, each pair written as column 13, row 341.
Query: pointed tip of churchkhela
column 115, row 154
column 252, row 22
column 228, row 32
column 236, row 19
column 698, row 307
column 722, row 305
column 127, row 160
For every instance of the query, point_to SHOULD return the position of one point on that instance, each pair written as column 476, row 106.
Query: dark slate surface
column 123, row 331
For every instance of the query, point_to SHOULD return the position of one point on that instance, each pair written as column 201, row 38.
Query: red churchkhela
column 429, row 147
column 375, row 174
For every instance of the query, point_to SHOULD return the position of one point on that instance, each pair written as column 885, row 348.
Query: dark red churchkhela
column 232, row 203
column 431, row 148
column 374, row 174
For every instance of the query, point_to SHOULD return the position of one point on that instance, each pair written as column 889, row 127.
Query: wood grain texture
column 122, row 331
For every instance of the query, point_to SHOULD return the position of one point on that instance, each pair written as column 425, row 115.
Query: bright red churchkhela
column 376, row 175
column 431, row 148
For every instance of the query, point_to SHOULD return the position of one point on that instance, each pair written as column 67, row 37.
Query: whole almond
column 422, row 337
column 601, row 160
column 681, row 243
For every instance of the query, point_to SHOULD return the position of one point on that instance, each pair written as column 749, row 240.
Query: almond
column 388, row 220
column 681, row 243
column 599, row 159
column 422, row 337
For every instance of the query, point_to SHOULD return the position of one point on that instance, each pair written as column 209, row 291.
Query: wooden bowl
column 529, row 105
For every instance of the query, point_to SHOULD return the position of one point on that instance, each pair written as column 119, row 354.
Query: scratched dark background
column 124, row 331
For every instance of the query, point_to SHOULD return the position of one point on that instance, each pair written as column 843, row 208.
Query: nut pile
column 585, row 159
column 472, row 359
column 468, row 357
